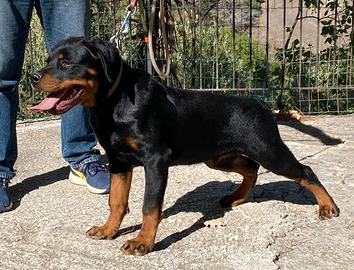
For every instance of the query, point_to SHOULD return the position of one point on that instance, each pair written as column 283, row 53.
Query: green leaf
column 328, row 22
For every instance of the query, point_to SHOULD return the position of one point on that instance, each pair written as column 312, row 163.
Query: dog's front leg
column 118, row 203
column 156, row 171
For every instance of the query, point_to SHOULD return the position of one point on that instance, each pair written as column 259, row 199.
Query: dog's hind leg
column 236, row 163
column 281, row 161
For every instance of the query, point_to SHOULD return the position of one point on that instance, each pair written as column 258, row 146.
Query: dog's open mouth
column 59, row 102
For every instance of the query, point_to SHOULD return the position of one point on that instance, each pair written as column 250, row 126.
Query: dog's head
column 74, row 71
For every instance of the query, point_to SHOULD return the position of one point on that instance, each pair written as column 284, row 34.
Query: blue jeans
column 60, row 19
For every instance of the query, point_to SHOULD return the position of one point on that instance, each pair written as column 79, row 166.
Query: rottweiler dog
column 141, row 122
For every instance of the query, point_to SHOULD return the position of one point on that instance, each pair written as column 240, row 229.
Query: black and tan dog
column 140, row 122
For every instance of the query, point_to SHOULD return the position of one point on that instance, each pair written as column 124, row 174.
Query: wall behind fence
column 240, row 47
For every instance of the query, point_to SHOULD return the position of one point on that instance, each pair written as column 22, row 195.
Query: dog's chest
column 124, row 142
column 125, row 147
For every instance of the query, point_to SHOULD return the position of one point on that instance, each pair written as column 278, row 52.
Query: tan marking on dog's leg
column 327, row 206
column 118, row 203
column 144, row 241
column 242, row 165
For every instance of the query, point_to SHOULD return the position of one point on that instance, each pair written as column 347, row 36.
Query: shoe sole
column 81, row 182
column 8, row 208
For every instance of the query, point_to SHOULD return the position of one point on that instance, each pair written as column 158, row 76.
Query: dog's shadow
column 205, row 200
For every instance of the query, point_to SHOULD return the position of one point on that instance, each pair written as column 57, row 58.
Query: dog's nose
column 35, row 78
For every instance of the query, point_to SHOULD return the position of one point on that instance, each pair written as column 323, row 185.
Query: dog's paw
column 102, row 232
column 328, row 211
column 136, row 247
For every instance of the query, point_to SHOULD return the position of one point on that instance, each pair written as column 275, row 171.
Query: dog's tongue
column 48, row 103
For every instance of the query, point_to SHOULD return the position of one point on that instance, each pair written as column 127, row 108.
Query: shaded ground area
column 277, row 228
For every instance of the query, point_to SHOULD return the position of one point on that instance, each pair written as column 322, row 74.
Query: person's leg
column 14, row 20
column 62, row 19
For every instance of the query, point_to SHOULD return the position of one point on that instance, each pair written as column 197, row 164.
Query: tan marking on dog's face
column 61, row 56
column 50, row 84
column 92, row 71
column 88, row 98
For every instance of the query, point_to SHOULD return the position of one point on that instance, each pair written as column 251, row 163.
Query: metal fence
column 240, row 47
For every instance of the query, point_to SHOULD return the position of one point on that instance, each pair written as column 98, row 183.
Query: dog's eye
column 64, row 64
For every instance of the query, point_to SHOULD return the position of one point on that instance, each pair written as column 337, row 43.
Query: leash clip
column 125, row 26
column 129, row 12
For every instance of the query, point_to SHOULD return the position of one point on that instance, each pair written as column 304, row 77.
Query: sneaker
column 93, row 175
column 5, row 200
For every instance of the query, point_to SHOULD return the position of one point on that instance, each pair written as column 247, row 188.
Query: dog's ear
column 102, row 51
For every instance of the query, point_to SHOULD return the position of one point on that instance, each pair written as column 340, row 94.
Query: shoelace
column 4, row 183
column 94, row 168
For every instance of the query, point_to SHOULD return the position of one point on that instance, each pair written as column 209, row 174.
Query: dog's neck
column 117, row 81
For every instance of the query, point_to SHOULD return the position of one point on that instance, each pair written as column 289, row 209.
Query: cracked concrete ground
column 277, row 228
